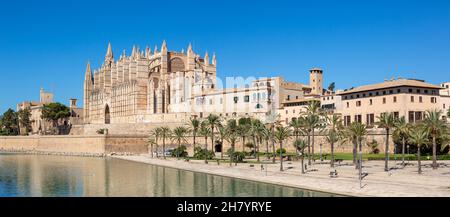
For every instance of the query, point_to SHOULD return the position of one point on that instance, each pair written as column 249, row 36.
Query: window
column 235, row 99
column 418, row 116
column 288, row 97
column 384, row 100
column 391, row 91
column 411, row 117
column 395, row 99
column 370, row 119
column 287, row 111
column 247, row 98
column 412, row 98
column 210, row 101
column 370, row 101
column 348, row 104
column 425, row 91
column 377, row 93
column 358, row 118
column 398, row 90
column 433, row 99
column 396, row 115
column 358, row 103
column 410, row 90
column 420, row 99
column 347, row 121
column 357, row 95
column 370, row 94
column 384, row 92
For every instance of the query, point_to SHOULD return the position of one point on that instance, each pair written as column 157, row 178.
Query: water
column 66, row 176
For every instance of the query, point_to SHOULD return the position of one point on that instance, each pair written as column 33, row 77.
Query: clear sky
column 47, row 44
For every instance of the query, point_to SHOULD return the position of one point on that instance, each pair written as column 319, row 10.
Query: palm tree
column 335, row 123
column 297, row 124
column 194, row 125
column 311, row 123
column 156, row 134
column 255, row 131
column 435, row 127
column 314, row 119
column 205, row 131
column 243, row 132
column 300, row 146
column 179, row 135
column 402, row 130
column 222, row 130
column 232, row 136
column 266, row 136
column 165, row 133
column 213, row 121
column 419, row 136
column 271, row 121
column 151, row 142
column 357, row 131
column 386, row 121
column 281, row 134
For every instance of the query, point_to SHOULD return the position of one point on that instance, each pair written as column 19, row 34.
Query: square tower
column 316, row 81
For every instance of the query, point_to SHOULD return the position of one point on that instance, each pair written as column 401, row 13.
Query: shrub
column 180, row 152
column 373, row 145
column 236, row 156
column 199, row 153
column 102, row 131
column 283, row 151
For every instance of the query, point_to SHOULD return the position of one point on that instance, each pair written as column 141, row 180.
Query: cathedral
column 172, row 87
column 141, row 87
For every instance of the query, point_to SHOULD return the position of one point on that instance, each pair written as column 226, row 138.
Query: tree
column 54, row 112
column 232, row 136
column 435, row 127
column 335, row 123
column 271, row 121
column 213, row 122
column 151, row 142
column 243, row 132
column 222, row 133
column 267, row 137
column 300, row 146
column 24, row 116
column 402, row 130
column 419, row 136
column 297, row 125
column 357, row 131
column 10, row 123
column 386, row 121
column 194, row 126
column 205, row 131
column 281, row 134
column 155, row 134
column 448, row 113
column 179, row 135
column 165, row 133
column 331, row 87
column 255, row 130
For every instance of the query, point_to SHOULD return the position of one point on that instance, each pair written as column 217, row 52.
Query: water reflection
column 45, row 175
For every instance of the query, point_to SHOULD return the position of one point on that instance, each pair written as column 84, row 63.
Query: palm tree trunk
column 212, row 140
column 254, row 146
column 273, row 151
column 267, row 150
column 194, row 134
column 386, row 151
column 206, row 149
column 243, row 144
column 281, row 156
column 354, row 151
column 418, row 160
column 312, row 146
column 257, row 149
column 332, row 155
column 303, row 165
column 309, row 149
column 403, row 150
column 179, row 148
column 164, row 148
column 151, row 150
column 221, row 149
column 435, row 166
column 232, row 153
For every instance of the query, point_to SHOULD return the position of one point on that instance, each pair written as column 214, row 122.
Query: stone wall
column 76, row 145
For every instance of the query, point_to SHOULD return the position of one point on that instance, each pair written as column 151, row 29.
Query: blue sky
column 47, row 43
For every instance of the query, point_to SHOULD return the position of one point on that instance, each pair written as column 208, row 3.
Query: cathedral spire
column 214, row 59
column 189, row 51
column 148, row 52
column 206, row 59
column 109, row 53
column 156, row 50
column 88, row 75
column 133, row 52
column 164, row 46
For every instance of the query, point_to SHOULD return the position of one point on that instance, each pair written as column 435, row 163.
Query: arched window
column 259, row 106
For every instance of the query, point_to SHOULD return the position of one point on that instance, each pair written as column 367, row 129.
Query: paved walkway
column 400, row 182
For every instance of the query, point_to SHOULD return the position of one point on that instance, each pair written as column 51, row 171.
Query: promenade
column 398, row 182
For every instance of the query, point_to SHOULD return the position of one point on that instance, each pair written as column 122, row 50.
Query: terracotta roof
column 390, row 84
